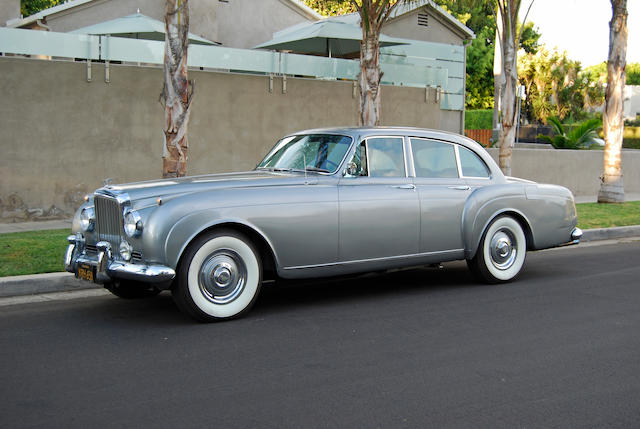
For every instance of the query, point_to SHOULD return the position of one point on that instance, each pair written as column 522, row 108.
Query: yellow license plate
column 86, row 272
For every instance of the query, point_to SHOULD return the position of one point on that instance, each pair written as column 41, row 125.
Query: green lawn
column 32, row 252
column 37, row 252
column 594, row 215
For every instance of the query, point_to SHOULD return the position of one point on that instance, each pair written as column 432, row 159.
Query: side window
column 386, row 157
column 434, row 159
column 472, row 165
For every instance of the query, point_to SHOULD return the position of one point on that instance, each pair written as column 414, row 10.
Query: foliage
column 331, row 7
column 599, row 72
column 577, row 137
column 29, row 7
column 479, row 16
column 556, row 86
column 595, row 215
column 32, row 252
column 478, row 119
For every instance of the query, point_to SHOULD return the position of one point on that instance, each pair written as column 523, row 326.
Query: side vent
column 423, row 19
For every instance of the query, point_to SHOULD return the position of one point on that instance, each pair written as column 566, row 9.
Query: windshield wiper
column 318, row 169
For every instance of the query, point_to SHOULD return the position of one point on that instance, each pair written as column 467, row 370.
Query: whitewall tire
column 219, row 276
column 502, row 251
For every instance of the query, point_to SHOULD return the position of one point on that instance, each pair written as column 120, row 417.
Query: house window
column 423, row 19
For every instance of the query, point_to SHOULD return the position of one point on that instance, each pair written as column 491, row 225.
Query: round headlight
column 132, row 223
column 87, row 219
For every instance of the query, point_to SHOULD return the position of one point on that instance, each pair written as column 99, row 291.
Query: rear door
column 442, row 194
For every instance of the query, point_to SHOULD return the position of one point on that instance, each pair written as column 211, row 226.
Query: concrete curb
column 65, row 282
column 598, row 234
column 42, row 283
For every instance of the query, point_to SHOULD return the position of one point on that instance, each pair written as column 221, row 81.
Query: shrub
column 478, row 119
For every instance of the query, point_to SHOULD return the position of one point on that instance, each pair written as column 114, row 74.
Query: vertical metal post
column 270, row 83
column 88, row 69
column 284, row 84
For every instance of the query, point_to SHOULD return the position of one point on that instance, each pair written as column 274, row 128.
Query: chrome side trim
column 358, row 261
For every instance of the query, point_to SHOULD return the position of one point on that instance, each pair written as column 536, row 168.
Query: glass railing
column 401, row 69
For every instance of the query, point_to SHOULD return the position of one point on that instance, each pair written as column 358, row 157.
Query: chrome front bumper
column 106, row 268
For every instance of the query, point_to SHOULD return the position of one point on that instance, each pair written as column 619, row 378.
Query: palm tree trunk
column 369, row 79
column 175, row 96
column 612, row 188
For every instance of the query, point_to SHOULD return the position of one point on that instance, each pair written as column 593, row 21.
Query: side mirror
column 352, row 169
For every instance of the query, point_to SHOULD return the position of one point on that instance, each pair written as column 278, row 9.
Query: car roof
column 360, row 133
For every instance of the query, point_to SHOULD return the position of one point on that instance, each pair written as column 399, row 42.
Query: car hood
column 166, row 188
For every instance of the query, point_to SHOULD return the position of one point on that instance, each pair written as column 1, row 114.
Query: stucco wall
column 578, row 170
column 61, row 135
column 9, row 9
column 236, row 24
column 406, row 27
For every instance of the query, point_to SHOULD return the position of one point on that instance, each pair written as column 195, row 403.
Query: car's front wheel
column 501, row 252
column 219, row 276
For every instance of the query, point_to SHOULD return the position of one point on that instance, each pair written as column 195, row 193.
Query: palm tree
column 612, row 188
column 175, row 97
column 578, row 137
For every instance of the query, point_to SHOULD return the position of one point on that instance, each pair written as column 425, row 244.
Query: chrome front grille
column 109, row 219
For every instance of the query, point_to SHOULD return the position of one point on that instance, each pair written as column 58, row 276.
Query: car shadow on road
column 369, row 287
column 295, row 295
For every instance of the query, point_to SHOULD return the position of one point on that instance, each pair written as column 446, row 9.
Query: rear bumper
column 105, row 268
column 576, row 235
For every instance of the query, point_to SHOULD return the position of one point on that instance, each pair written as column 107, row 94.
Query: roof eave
column 21, row 22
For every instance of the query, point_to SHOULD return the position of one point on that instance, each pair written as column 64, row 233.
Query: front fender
column 189, row 227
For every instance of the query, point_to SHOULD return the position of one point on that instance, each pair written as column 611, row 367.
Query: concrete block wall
column 578, row 170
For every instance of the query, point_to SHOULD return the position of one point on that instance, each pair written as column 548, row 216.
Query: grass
column 36, row 252
column 32, row 252
column 594, row 215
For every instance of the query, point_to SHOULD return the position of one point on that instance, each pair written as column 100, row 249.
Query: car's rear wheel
column 501, row 252
column 219, row 276
column 131, row 290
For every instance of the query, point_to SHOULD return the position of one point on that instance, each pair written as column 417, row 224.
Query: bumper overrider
column 101, row 266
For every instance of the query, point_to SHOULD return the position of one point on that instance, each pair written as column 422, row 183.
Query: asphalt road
column 425, row 348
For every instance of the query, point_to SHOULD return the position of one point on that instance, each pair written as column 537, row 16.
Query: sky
column 581, row 27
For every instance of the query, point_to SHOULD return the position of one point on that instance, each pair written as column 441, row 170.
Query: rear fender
column 484, row 205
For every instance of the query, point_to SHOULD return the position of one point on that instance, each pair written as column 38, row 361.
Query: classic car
column 325, row 202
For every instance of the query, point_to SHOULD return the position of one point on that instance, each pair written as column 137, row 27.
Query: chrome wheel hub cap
column 222, row 276
column 503, row 249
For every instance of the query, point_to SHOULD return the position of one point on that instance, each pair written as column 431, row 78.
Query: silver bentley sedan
column 323, row 202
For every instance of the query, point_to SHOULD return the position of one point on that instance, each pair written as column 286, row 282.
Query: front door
column 378, row 204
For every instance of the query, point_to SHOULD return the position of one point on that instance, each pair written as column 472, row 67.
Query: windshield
column 312, row 152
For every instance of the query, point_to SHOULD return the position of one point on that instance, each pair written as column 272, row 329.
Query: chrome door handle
column 460, row 188
column 407, row 186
